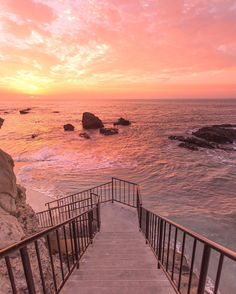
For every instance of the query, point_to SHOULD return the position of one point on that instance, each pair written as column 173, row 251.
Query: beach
column 34, row 198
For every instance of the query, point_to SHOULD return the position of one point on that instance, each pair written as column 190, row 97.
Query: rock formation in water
column 90, row 121
column 17, row 221
column 109, row 131
column 25, row 111
column 211, row 137
column 122, row 122
column 69, row 128
column 1, row 122
column 85, row 135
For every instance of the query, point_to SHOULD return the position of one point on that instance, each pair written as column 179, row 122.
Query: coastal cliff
column 18, row 221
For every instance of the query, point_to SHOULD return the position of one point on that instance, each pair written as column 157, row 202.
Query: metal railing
column 58, row 214
column 104, row 191
column 169, row 242
column 117, row 190
column 53, row 263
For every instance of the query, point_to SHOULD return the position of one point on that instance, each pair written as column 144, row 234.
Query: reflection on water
column 176, row 182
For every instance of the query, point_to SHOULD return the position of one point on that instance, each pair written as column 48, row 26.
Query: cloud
column 117, row 41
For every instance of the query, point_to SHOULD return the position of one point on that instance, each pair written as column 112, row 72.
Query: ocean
column 194, row 188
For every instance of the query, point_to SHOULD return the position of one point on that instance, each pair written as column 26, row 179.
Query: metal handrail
column 162, row 235
column 75, row 194
column 68, row 232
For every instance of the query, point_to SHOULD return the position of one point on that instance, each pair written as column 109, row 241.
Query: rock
column 10, row 228
column 213, row 137
column 85, row 135
column 69, row 128
column 218, row 134
column 25, row 111
column 188, row 146
column 25, row 214
column 109, row 131
column 188, row 142
column 33, row 136
column 123, row 122
column 1, row 122
column 90, row 121
column 8, row 189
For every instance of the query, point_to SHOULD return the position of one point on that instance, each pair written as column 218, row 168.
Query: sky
column 118, row 48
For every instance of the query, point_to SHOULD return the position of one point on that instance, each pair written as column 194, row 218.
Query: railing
column 104, row 191
column 58, row 214
column 52, row 264
column 170, row 241
column 117, row 190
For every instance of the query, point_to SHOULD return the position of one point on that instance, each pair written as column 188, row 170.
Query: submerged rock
column 211, row 137
column 90, row 121
column 84, row 135
column 69, row 128
column 25, row 111
column 1, row 122
column 109, row 131
column 122, row 121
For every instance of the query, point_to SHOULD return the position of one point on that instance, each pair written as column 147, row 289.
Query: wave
column 44, row 154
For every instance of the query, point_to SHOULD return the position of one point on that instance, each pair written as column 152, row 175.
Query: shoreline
column 34, row 198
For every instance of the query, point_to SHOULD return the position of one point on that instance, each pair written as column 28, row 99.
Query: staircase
column 118, row 261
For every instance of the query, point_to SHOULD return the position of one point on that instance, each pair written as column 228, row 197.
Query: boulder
column 211, row 137
column 218, row 134
column 123, row 122
column 8, row 189
column 1, row 122
column 69, row 128
column 84, row 135
column 25, row 111
column 90, row 121
column 109, row 131
column 10, row 228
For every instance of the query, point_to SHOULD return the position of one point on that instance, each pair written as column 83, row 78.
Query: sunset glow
column 118, row 48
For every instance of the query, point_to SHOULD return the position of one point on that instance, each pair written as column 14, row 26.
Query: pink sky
column 118, row 48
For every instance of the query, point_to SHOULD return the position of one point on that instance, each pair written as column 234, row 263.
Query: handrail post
column 90, row 225
column 50, row 214
column 112, row 191
column 140, row 217
column 204, row 269
column 147, row 226
column 75, row 243
column 91, row 198
column 160, row 243
column 98, row 216
column 27, row 270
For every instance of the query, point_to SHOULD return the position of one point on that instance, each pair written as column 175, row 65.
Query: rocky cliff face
column 17, row 221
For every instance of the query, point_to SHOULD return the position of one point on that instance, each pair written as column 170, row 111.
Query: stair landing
column 118, row 261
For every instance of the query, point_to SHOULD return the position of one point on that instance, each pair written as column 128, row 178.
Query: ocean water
column 197, row 189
